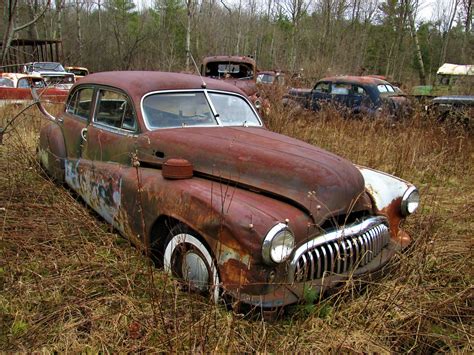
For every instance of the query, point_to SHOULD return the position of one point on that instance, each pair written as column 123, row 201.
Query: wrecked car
column 353, row 95
column 79, row 72
column 453, row 109
column 240, row 71
column 53, row 73
column 16, row 88
column 184, row 167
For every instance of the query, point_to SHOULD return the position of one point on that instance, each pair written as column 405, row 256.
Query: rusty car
column 79, row 72
column 184, row 167
column 16, row 88
column 240, row 71
column 352, row 96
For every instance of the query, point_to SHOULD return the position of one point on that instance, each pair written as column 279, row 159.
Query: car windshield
column 187, row 109
column 49, row 66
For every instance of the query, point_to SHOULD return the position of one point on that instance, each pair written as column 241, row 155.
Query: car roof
column 139, row 83
column 363, row 80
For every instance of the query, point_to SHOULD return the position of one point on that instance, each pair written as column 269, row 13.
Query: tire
column 188, row 259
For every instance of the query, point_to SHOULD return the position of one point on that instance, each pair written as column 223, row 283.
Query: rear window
column 385, row 88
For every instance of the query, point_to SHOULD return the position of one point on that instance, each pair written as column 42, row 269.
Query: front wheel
column 188, row 259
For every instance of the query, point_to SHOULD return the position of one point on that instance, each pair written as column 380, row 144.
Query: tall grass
column 68, row 282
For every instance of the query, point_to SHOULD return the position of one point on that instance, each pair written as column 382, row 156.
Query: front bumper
column 286, row 294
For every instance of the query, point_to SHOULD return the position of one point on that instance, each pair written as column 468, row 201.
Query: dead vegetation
column 68, row 282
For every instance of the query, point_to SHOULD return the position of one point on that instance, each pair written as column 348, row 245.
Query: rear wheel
column 188, row 259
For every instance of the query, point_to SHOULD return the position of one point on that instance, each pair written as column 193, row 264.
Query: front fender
column 387, row 192
column 232, row 221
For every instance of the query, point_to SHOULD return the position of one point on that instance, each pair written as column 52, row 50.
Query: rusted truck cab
column 240, row 71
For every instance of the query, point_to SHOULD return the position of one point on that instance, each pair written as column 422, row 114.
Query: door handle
column 84, row 134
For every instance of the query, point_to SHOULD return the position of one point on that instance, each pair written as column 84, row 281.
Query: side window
column 322, row 87
column 340, row 89
column 79, row 104
column 359, row 91
column 115, row 110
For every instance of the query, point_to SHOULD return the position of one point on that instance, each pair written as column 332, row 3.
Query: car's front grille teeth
column 343, row 254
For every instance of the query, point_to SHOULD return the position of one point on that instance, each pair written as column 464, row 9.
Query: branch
column 28, row 24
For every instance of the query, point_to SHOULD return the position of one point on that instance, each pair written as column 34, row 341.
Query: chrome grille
column 341, row 250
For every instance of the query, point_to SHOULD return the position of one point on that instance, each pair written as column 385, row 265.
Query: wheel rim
column 185, row 249
column 194, row 271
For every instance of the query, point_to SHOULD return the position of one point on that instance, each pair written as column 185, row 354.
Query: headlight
column 278, row 244
column 410, row 201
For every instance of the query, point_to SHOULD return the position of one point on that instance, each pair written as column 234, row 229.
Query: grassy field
column 68, row 282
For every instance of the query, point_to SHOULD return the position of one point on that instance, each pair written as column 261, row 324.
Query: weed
column 70, row 284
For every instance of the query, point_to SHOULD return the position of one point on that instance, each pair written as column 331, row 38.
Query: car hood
column 320, row 182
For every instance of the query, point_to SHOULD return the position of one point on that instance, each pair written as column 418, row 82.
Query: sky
column 428, row 9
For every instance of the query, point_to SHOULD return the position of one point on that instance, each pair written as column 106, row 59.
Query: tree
column 10, row 11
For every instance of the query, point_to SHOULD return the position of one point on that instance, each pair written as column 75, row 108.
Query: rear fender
column 52, row 151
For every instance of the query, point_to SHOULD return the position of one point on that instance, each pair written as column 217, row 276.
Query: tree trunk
column 10, row 29
column 419, row 57
column 79, row 31
column 448, row 30
column 190, row 15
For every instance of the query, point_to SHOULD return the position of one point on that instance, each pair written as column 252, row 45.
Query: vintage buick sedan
column 184, row 167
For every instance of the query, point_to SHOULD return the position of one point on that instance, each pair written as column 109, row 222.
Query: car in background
column 79, row 72
column 53, row 73
column 451, row 80
column 270, row 77
column 453, row 109
column 184, row 167
column 353, row 95
column 16, row 88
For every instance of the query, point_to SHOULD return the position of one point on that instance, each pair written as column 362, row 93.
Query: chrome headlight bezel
column 410, row 197
column 280, row 232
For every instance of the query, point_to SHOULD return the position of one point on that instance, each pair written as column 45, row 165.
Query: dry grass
column 68, row 282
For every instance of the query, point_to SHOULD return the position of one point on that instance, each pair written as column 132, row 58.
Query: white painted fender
column 383, row 187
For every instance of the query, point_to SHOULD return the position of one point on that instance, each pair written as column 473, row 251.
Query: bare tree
column 296, row 10
column 10, row 10
column 414, row 34
column 448, row 24
column 191, row 10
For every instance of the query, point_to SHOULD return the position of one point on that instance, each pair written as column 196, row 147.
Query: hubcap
column 194, row 271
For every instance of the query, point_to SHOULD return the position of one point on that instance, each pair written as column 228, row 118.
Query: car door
column 320, row 95
column 341, row 95
column 361, row 102
column 109, row 179
column 75, row 119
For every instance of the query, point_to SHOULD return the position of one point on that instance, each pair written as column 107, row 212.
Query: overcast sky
column 428, row 9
